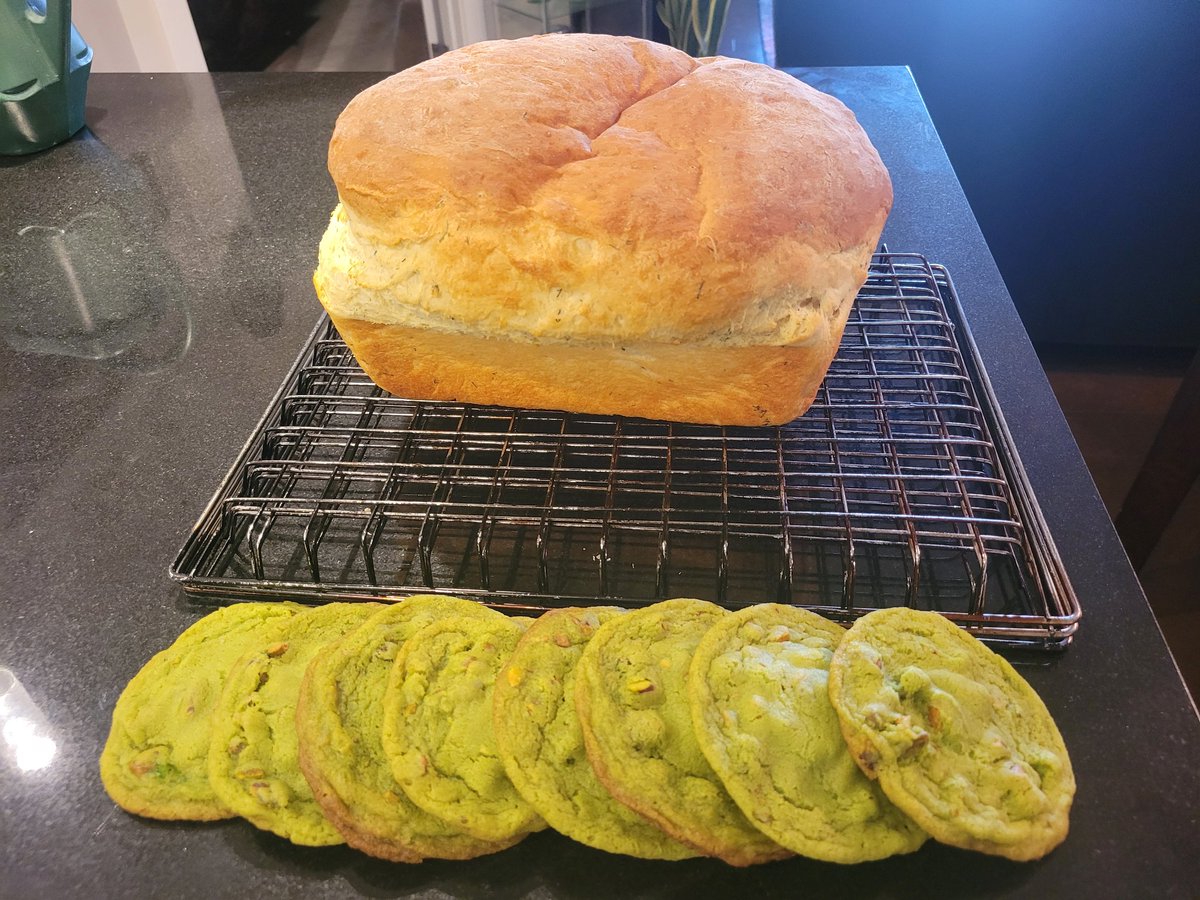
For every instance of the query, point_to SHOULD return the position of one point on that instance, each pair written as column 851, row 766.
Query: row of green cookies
column 275, row 712
column 438, row 728
column 753, row 735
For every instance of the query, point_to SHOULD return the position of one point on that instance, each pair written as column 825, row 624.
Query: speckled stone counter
column 154, row 289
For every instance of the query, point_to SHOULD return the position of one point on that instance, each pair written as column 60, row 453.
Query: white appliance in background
column 450, row 24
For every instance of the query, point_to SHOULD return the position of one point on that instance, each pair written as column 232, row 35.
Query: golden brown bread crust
column 728, row 385
column 591, row 192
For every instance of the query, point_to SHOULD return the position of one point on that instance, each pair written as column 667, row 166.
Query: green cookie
column 155, row 762
column 631, row 696
column 958, row 740
column 761, row 712
column 253, row 762
column 339, row 722
column 541, row 742
column 437, row 726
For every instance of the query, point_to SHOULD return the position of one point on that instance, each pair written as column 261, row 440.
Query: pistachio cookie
column 155, row 762
column 339, row 722
column 437, row 726
column 253, row 761
column 631, row 696
column 541, row 742
column 759, row 693
column 958, row 740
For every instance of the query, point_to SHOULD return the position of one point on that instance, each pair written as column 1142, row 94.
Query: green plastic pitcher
column 44, row 66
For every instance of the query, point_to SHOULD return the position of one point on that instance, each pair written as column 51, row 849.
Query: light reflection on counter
column 24, row 731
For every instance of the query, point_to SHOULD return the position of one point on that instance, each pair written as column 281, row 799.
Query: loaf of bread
column 600, row 224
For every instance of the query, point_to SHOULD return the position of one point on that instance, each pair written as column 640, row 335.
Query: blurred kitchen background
column 1073, row 127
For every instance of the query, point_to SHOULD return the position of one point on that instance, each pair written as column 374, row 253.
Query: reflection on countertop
column 96, row 287
column 87, row 276
column 25, row 739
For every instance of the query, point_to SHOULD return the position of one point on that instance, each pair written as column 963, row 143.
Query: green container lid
column 44, row 66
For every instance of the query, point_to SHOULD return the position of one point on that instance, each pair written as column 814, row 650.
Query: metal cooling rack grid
column 899, row 486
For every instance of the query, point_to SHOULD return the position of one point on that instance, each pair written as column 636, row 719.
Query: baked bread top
column 590, row 188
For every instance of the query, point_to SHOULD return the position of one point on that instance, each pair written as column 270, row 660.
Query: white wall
column 139, row 35
column 463, row 21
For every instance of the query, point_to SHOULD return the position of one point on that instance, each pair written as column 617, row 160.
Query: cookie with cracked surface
column 957, row 738
column 155, row 761
column 540, row 740
column 759, row 694
column 631, row 696
column 253, row 760
column 339, row 723
column 437, row 726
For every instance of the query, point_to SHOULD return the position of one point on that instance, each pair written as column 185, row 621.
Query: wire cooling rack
column 900, row 486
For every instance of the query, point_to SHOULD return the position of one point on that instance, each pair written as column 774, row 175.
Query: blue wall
column 1074, row 126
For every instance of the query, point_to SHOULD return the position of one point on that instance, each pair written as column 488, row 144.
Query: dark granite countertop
column 195, row 204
